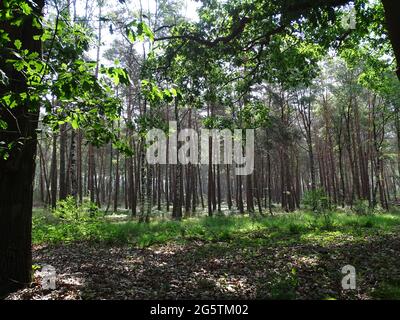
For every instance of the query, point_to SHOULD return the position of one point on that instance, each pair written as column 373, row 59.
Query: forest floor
column 291, row 256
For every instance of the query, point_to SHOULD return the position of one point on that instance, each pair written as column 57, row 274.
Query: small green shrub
column 316, row 200
column 361, row 208
column 69, row 210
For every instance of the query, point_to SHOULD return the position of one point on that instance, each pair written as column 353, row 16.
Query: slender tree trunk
column 117, row 182
column 177, row 205
column 228, row 187
column 240, row 205
column 72, row 167
column 210, row 178
column 53, row 173
column 249, row 194
column 110, row 179
column 63, row 176
column 79, row 166
column 269, row 184
column 200, row 187
column 218, row 189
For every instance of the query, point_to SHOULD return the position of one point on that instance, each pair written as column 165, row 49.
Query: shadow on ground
column 221, row 270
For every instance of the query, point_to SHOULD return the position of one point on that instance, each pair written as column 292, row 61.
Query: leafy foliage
column 71, row 88
column 361, row 207
column 316, row 200
column 69, row 211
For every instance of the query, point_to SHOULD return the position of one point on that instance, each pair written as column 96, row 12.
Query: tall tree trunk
column 53, row 173
column 110, row 178
column 79, row 165
column 17, row 171
column 228, row 187
column 72, row 167
column 393, row 27
column 249, row 194
column 269, row 183
column 200, row 187
column 239, row 201
column 44, row 177
column 63, row 150
column 117, row 176
column 159, row 187
column 177, row 205
column 397, row 125
column 218, row 189
column 210, row 179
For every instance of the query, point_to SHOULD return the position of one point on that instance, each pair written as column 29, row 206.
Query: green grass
column 329, row 242
column 286, row 228
column 388, row 291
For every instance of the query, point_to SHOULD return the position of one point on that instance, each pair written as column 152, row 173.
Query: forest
column 106, row 108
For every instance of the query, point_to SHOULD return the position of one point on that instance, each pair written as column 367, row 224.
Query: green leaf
column 18, row 44
column 74, row 123
column 131, row 35
column 145, row 29
column 3, row 124
column 26, row 9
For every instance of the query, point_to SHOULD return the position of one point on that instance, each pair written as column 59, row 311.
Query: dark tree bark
column 239, row 201
column 63, row 176
column 17, row 171
column 72, row 166
column 249, row 194
column 158, row 187
column 53, row 173
column 392, row 9
column 210, row 179
column 110, row 179
column 117, row 180
column 200, row 188
column 228, row 187
column 177, row 204
column 218, row 189
column 45, row 184
column 269, row 186
column 79, row 165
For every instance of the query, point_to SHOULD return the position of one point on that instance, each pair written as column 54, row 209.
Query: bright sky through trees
column 188, row 11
